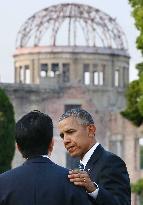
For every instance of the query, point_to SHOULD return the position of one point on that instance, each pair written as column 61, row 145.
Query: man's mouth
column 71, row 148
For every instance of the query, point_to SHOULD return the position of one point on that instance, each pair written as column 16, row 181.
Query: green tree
column 137, row 188
column 141, row 157
column 7, row 127
column 134, row 93
column 132, row 111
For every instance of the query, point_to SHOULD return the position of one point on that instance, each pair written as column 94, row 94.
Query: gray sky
column 14, row 13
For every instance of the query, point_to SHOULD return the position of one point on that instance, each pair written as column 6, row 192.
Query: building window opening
column 44, row 70
column 141, row 152
column 27, row 74
column 86, row 73
column 116, row 146
column 66, row 72
column 71, row 163
column 71, row 106
column 100, row 77
column 117, row 78
column 139, row 199
column 95, row 78
column 86, row 78
column 54, row 69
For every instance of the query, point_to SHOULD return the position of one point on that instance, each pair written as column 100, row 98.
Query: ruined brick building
column 73, row 55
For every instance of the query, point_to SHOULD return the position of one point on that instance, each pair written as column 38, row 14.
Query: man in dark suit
column 38, row 181
column 104, row 174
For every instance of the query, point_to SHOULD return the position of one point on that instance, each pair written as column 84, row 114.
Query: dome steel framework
column 71, row 25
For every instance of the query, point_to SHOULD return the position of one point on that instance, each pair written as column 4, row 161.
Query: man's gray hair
column 82, row 115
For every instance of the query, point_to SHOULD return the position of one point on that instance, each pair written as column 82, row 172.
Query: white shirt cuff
column 94, row 193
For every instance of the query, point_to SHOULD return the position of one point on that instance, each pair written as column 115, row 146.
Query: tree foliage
column 7, row 127
column 132, row 111
column 134, row 93
column 137, row 187
column 137, row 13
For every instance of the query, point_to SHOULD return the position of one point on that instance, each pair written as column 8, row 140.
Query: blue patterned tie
column 81, row 166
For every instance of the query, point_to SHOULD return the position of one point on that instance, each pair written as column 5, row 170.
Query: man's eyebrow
column 68, row 130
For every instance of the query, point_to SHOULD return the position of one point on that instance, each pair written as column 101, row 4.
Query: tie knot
column 81, row 166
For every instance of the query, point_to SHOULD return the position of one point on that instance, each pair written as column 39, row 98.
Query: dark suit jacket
column 39, row 181
column 110, row 173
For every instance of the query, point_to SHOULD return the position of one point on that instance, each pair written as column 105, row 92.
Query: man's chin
column 73, row 154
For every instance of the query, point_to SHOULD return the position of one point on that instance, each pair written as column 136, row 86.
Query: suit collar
column 94, row 157
column 88, row 155
column 38, row 159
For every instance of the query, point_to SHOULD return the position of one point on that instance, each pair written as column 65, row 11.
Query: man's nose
column 66, row 139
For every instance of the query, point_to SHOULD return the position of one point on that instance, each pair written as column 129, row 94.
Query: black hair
column 34, row 133
column 82, row 115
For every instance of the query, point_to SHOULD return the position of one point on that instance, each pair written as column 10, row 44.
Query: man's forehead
column 69, row 122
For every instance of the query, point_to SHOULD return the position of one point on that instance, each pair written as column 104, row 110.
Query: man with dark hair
column 104, row 175
column 38, row 181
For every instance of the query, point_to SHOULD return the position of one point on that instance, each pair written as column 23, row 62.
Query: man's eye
column 62, row 136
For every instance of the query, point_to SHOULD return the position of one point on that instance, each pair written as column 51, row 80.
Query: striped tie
column 81, row 166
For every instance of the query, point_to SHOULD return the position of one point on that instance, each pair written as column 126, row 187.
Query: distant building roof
column 71, row 24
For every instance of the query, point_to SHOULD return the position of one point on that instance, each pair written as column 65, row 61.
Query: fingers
column 78, row 177
column 81, row 178
column 77, row 174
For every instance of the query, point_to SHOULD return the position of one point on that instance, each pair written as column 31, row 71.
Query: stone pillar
column 36, row 74
column 112, row 73
column 16, row 74
column 121, row 77
column 24, row 74
column 91, row 73
column 50, row 69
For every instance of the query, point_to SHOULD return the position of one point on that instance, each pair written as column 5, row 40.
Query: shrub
column 7, row 127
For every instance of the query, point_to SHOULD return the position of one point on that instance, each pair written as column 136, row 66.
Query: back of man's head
column 34, row 133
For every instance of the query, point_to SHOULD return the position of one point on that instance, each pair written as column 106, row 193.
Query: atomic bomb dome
column 71, row 25
column 52, row 42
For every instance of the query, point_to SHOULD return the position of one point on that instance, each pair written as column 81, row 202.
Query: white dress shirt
column 84, row 162
column 45, row 156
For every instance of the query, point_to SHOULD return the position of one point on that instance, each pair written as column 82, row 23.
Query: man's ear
column 18, row 147
column 50, row 148
column 92, row 130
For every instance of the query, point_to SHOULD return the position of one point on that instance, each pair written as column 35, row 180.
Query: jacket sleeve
column 114, row 183
column 78, row 196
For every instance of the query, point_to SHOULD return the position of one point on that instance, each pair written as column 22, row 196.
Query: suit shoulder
column 9, row 177
column 10, row 172
column 60, row 168
column 112, row 158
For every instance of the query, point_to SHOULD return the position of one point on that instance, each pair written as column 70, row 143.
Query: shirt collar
column 88, row 154
column 45, row 156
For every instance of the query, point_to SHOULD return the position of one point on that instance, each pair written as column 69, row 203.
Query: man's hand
column 81, row 178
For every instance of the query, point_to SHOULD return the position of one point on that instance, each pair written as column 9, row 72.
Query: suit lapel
column 94, row 158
